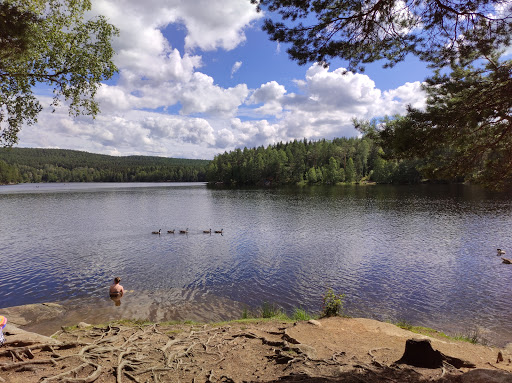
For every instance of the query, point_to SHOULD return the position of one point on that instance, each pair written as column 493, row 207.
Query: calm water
column 425, row 254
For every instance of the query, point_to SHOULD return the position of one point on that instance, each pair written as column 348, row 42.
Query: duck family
column 209, row 231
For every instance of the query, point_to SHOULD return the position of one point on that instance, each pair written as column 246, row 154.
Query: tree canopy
column 313, row 162
column 61, row 165
column 466, row 129
column 50, row 42
column 439, row 31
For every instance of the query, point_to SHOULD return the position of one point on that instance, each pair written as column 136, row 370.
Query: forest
column 349, row 160
column 19, row 165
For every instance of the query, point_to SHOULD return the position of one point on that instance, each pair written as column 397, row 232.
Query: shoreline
column 179, row 305
column 49, row 317
column 335, row 349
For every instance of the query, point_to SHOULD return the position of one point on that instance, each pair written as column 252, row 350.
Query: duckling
column 207, row 231
column 501, row 252
column 184, row 231
column 156, row 232
column 219, row 231
column 170, row 231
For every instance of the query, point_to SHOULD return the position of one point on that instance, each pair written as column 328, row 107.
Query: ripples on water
column 425, row 254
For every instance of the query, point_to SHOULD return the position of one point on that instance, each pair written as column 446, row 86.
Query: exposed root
column 163, row 353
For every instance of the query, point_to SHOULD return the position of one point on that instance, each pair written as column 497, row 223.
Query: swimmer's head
column 117, row 279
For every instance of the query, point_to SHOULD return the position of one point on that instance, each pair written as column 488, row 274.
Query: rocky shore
column 328, row 350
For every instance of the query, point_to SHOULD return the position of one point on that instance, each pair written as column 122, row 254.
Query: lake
column 425, row 254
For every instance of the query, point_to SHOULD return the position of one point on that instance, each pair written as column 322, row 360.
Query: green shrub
column 270, row 310
column 300, row 314
column 246, row 314
column 333, row 304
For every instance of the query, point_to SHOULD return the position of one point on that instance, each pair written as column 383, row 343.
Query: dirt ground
column 327, row 350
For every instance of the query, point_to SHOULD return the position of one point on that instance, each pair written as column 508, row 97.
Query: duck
column 170, row 231
column 156, row 232
column 507, row 261
column 184, row 231
column 219, row 231
column 501, row 252
column 207, row 231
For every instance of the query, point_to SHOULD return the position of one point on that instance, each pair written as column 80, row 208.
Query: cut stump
column 419, row 353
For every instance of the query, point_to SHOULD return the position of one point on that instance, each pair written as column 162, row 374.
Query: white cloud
column 328, row 102
column 211, row 25
column 156, row 79
column 269, row 92
column 235, row 68
column 202, row 96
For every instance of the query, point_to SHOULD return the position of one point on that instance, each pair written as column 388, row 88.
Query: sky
column 198, row 78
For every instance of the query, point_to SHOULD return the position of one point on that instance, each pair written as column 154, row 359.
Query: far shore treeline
column 348, row 160
column 19, row 165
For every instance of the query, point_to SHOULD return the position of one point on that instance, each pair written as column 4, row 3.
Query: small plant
column 333, row 304
column 299, row 314
column 246, row 314
column 404, row 324
column 270, row 310
column 471, row 336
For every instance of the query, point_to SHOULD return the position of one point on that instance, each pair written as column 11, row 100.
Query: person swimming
column 116, row 291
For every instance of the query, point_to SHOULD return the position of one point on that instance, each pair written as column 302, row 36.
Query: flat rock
column 33, row 313
column 314, row 322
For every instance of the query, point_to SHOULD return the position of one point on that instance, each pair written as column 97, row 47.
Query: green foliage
column 299, row 314
column 316, row 162
column 471, row 336
column 58, row 165
column 332, row 304
column 465, row 133
column 50, row 42
column 350, row 171
column 246, row 314
column 439, row 32
column 270, row 310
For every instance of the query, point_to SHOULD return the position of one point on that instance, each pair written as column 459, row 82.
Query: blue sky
column 199, row 78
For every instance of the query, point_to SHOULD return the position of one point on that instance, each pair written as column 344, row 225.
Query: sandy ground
column 328, row 350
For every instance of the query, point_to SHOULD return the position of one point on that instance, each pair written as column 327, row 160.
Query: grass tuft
column 299, row 314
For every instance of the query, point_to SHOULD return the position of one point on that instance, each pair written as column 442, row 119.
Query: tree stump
column 419, row 353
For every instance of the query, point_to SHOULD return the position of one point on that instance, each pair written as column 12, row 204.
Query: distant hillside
column 62, row 165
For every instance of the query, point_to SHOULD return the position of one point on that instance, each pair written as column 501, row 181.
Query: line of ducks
column 186, row 231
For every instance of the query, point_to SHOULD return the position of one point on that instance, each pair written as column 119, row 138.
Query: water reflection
column 116, row 299
column 426, row 254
